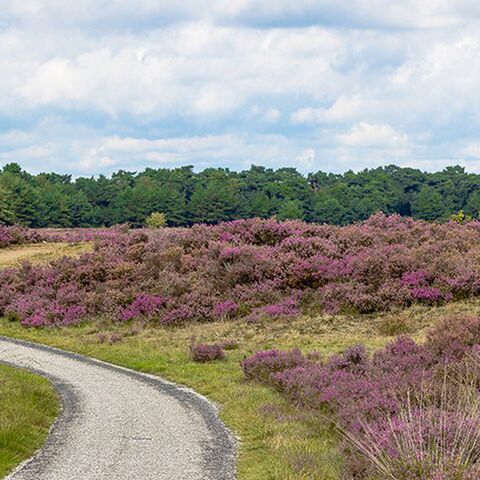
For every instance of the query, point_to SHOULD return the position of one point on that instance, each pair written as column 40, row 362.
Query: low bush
column 202, row 352
column 263, row 365
column 408, row 412
column 248, row 269
column 17, row 235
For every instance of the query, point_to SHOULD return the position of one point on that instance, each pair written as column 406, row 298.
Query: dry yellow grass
column 40, row 253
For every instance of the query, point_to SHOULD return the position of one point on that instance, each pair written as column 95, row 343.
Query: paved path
column 118, row 424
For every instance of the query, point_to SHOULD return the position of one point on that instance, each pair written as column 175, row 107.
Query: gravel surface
column 120, row 424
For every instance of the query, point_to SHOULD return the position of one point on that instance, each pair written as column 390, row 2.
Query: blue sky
column 94, row 86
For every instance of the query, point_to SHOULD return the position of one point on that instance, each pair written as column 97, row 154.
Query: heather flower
column 263, row 364
column 203, row 352
column 178, row 316
column 145, row 305
column 411, row 411
column 430, row 295
column 264, row 267
column 226, row 308
column 285, row 308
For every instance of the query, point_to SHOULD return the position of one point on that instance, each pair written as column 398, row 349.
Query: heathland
column 333, row 351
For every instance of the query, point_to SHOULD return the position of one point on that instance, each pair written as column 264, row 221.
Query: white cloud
column 471, row 151
column 266, row 114
column 366, row 134
column 345, row 108
column 190, row 69
column 209, row 150
column 306, row 159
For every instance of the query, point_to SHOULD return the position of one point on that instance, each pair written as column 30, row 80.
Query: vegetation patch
column 249, row 270
column 185, row 197
column 28, row 406
column 294, row 292
column 279, row 440
column 40, row 253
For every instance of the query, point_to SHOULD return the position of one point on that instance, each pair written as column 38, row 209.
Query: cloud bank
column 93, row 86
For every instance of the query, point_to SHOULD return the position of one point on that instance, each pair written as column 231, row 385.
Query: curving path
column 118, row 424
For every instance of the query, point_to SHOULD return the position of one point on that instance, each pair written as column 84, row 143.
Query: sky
column 94, row 86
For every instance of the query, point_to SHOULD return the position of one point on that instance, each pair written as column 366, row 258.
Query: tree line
column 213, row 195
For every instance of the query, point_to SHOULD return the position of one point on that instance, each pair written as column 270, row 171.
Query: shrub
column 262, row 365
column 202, row 352
column 247, row 269
column 425, row 440
column 225, row 309
column 144, row 305
column 156, row 220
column 454, row 336
column 409, row 411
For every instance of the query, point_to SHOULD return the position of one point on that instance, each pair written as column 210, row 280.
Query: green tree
column 7, row 216
column 291, row 210
column 461, row 217
column 26, row 204
column 328, row 210
column 428, row 204
column 216, row 202
column 472, row 206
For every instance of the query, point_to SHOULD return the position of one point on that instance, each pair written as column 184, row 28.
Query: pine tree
column 7, row 216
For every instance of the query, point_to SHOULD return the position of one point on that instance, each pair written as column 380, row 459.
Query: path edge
column 220, row 453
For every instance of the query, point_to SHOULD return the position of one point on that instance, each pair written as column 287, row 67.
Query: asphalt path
column 118, row 424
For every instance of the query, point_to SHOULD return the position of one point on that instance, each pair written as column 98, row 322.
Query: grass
column 40, row 253
column 277, row 441
column 28, row 406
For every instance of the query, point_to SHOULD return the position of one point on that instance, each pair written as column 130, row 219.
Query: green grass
column 28, row 406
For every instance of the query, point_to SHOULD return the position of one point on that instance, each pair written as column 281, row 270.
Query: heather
column 247, row 269
column 18, row 235
column 407, row 412
column 203, row 352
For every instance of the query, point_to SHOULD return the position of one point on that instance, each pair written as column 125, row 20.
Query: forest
column 214, row 195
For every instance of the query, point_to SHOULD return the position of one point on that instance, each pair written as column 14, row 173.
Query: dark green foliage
column 218, row 194
column 6, row 207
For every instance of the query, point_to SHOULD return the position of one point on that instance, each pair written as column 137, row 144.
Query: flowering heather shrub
column 144, row 305
column 285, row 308
column 409, row 411
column 18, row 235
column 225, row 309
column 252, row 269
column 425, row 439
column 263, row 365
column 454, row 337
column 203, row 352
